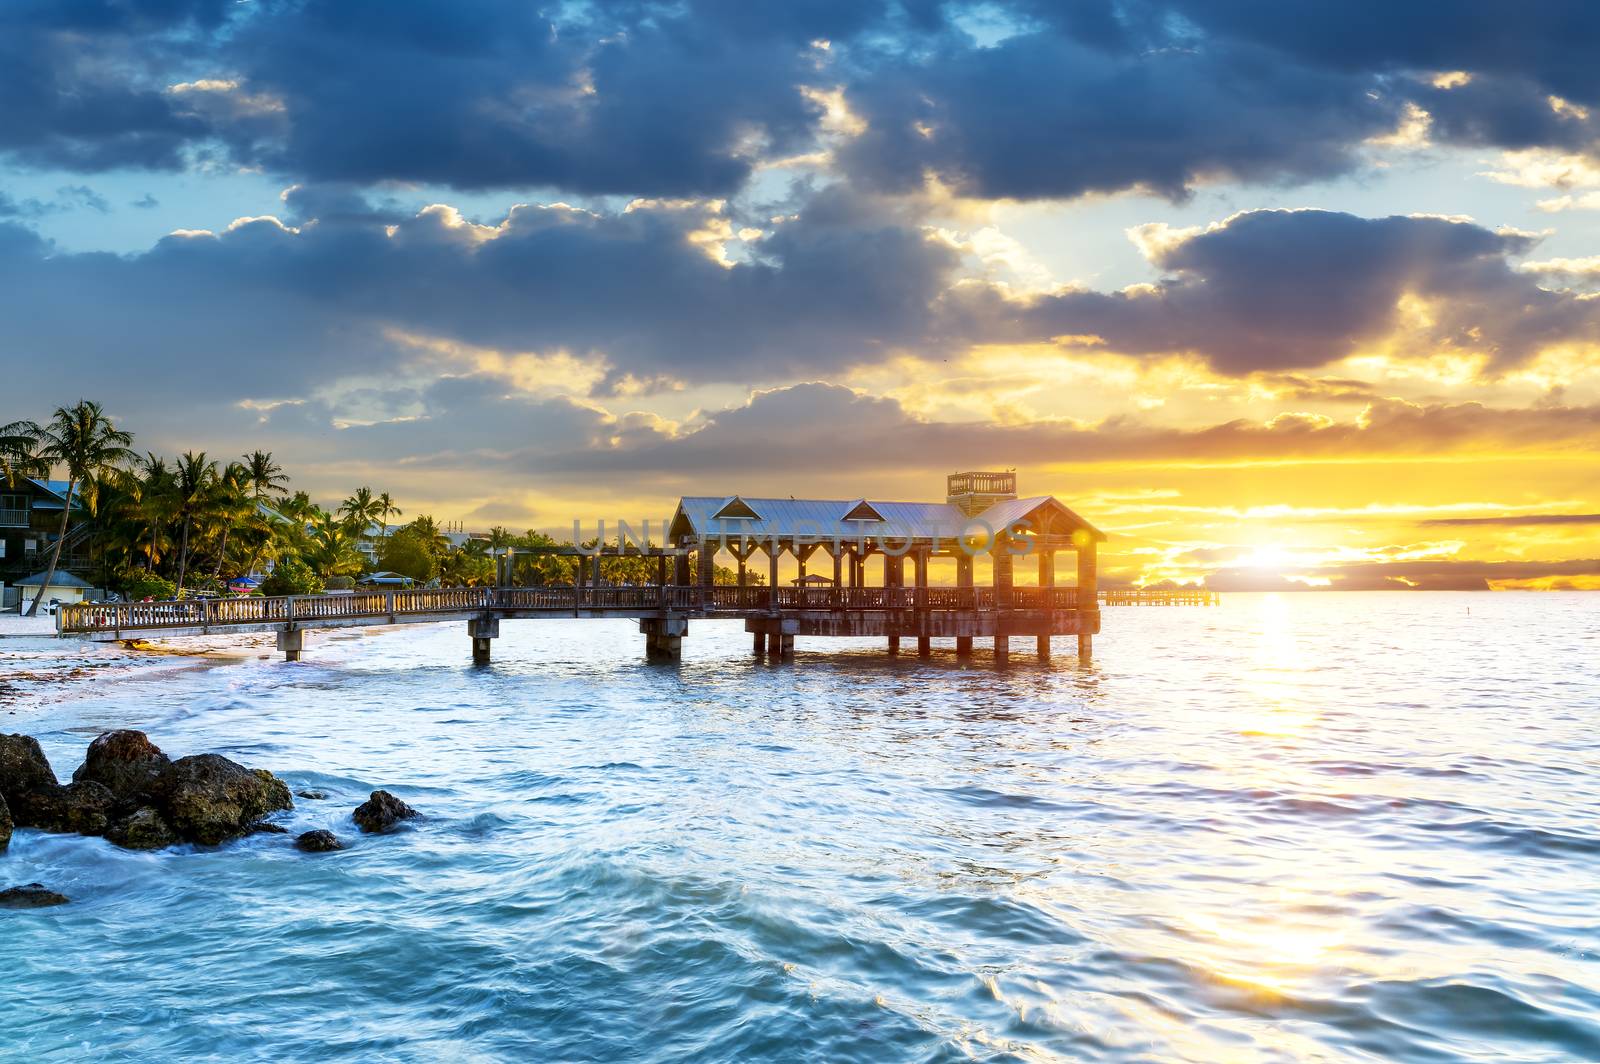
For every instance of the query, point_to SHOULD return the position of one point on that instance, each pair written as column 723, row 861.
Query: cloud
column 645, row 292
column 1277, row 290
column 1518, row 520
column 82, row 83
column 775, row 426
column 1046, row 114
column 1015, row 99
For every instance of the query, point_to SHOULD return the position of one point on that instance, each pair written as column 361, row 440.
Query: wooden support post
column 597, row 578
column 786, row 648
column 680, row 566
column 1088, row 599
column 1047, row 579
column 774, row 644
column 708, row 562
column 924, row 646
column 838, row 566
column 661, row 570
column 1004, row 577
column 1002, row 649
column 963, row 647
column 774, row 551
column 894, row 646
column 760, row 644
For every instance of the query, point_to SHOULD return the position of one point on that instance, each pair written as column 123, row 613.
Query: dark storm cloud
column 1549, row 42
column 283, row 311
column 1286, row 289
column 1042, row 115
column 880, row 435
column 687, row 98
column 81, row 84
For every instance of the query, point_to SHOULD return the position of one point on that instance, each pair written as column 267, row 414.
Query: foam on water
column 1294, row 827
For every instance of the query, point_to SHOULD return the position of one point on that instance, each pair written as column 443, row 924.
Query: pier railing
column 388, row 606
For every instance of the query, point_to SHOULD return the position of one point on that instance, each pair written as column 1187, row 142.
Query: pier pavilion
column 981, row 516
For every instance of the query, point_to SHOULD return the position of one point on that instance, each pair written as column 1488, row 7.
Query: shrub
column 339, row 583
column 142, row 584
column 291, row 576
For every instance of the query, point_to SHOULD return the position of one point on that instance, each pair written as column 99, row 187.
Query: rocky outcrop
column 312, row 796
column 81, row 808
column 126, row 763
column 146, row 829
column 209, row 799
column 29, row 788
column 30, row 896
column 5, row 825
column 318, row 842
column 24, row 770
column 381, row 813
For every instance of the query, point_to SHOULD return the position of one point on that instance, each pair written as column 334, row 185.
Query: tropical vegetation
column 158, row 526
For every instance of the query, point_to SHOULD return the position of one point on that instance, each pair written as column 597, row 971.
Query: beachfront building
column 64, row 589
column 30, row 522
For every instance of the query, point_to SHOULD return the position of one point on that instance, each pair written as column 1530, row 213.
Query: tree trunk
column 55, row 555
column 222, row 553
column 183, row 556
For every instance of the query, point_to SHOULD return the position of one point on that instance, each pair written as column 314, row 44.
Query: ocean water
column 1296, row 827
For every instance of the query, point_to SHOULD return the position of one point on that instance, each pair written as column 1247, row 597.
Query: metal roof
column 823, row 519
column 62, row 578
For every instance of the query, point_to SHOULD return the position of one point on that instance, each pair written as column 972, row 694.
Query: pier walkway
column 772, row 615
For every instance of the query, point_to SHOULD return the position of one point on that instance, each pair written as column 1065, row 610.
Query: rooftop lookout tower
column 973, row 493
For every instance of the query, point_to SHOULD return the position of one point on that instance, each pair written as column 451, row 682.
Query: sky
column 1279, row 296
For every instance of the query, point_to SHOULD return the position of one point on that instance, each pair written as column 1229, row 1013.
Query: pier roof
column 697, row 516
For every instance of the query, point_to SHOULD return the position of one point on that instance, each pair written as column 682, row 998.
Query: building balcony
column 15, row 518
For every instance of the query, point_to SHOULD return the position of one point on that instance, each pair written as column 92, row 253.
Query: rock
column 5, row 825
column 312, row 796
column 144, row 830
column 277, row 791
column 84, row 808
column 381, row 812
column 207, row 798
column 23, row 770
column 30, row 896
column 126, row 763
column 265, row 828
column 318, row 842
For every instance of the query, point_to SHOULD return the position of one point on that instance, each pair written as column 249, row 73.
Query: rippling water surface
column 1291, row 827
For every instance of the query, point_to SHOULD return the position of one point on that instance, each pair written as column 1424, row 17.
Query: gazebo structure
column 981, row 516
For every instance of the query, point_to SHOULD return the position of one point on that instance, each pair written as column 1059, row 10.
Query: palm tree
column 231, row 502
column 84, row 440
column 157, row 487
column 193, row 482
column 333, row 547
column 19, row 452
column 267, row 481
column 427, row 532
column 386, row 507
column 360, row 510
column 266, row 477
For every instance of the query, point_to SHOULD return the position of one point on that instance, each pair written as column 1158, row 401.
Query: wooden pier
column 981, row 517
